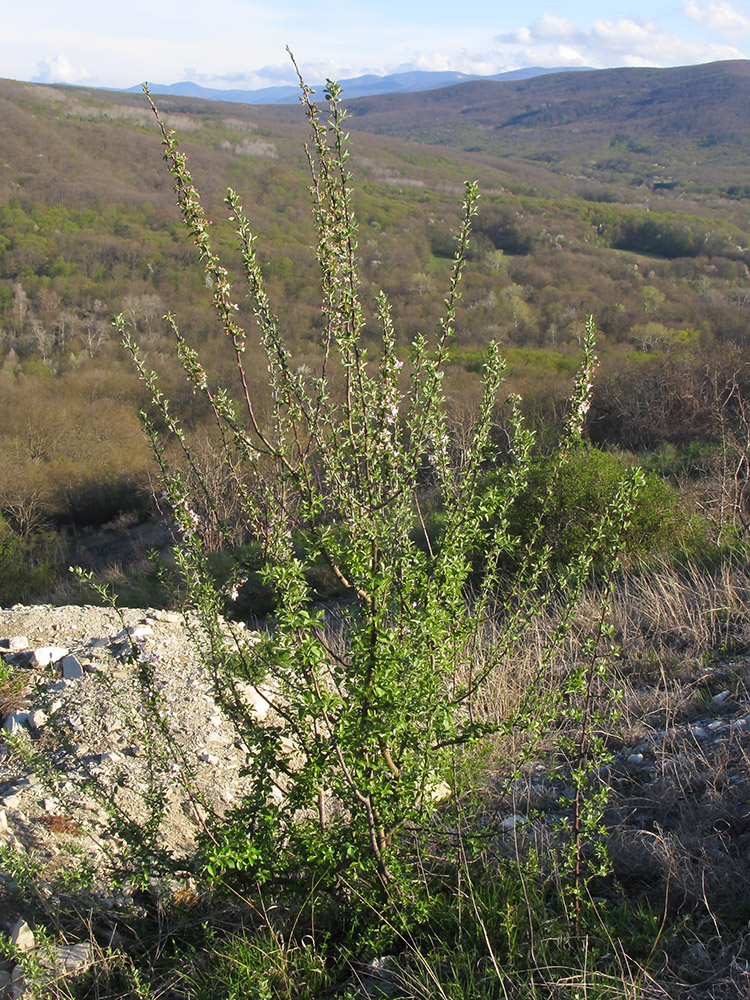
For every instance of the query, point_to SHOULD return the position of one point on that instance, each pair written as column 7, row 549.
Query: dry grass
column 679, row 820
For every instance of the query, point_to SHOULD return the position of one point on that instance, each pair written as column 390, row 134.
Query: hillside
column 687, row 126
column 88, row 229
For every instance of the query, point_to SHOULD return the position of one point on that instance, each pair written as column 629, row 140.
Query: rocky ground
column 76, row 747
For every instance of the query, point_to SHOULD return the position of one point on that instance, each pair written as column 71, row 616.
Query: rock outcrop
column 80, row 749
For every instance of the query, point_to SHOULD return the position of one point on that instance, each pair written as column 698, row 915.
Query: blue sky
column 241, row 43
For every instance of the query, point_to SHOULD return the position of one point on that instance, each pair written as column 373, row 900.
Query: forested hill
column 650, row 234
column 692, row 100
column 693, row 120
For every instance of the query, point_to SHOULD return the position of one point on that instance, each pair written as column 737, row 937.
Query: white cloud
column 725, row 18
column 554, row 27
column 266, row 76
column 59, row 69
column 622, row 41
column 642, row 40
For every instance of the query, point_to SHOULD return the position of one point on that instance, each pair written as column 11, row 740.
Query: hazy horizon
column 241, row 46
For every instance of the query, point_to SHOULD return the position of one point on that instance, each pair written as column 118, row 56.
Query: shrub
column 583, row 490
column 29, row 565
column 369, row 702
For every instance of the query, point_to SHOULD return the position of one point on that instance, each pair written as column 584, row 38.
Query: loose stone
column 46, row 655
column 22, row 936
column 15, row 722
column 37, row 718
column 16, row 643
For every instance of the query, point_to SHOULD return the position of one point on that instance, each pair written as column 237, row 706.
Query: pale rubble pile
column 81, row 716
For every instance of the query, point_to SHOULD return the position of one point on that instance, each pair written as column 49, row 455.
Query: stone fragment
column 257, row 700
column 15, row 722
column 25, row 659
column 72, row 668
column 511, row 822
column 208, row 758
column 73, row 957
column 22, row 936
column 45, row 655
column 37, row 718
column 380, row 978
column 16, row 643
column 17, row 983
column 4, row 981
column 277, row 795
column 438, row 791
column 142, row 631
column 220, row 738
column 699, row 953
column 721, row 696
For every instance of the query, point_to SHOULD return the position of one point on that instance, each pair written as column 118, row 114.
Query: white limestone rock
column 439, row 791
column 22, row 936
column 257, row 699
column 46, row 655
column 37, row 719
column 15, row 722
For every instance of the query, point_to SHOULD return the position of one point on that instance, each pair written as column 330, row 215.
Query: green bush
column 29, row 565
column 569, row 502
column 370, row 703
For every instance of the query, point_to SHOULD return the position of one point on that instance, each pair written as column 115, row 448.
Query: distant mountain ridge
column 361, row 86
